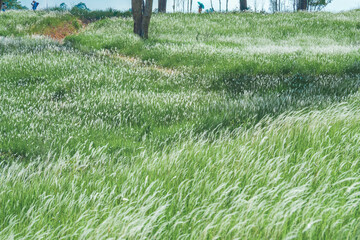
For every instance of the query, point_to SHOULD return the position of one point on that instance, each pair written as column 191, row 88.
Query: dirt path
column 138, row 62
column 61, row 32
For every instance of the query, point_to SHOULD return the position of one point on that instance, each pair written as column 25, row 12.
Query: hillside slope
column 238, row 44
column 218, row 141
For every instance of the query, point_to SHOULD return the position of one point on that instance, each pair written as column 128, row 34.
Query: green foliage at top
column 82, row 6
column 63, row 6
column 318, row 4
column 14, row 4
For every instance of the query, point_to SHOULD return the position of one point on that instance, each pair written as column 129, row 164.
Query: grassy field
column 240, row 44
column 221, row 126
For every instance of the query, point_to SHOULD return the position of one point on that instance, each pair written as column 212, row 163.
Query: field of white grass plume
column 245, row 44
column 297, row 177
column 100, row 139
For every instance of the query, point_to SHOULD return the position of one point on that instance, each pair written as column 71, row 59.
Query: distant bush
column 14, row 4
column 55, row 9
column 63, row 6
column 82, row 6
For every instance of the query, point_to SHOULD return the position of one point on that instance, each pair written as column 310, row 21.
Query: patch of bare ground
column 60, row 32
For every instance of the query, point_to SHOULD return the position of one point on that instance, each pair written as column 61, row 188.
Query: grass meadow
column 220, row 126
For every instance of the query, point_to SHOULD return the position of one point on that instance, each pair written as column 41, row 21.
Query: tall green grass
column 16, row 23
column 238, row 44
column 297, row 177
column 94, row 145
column 106, row 101
column 23, row 23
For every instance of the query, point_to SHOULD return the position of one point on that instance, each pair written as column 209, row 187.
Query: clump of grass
column 17, row 23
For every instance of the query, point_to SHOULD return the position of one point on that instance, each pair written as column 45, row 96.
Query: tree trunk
column 162, row 6
column 191, row 5
column 219, row 5
column 137, row 10
column 211, row 4
column 274, row 5
column 227, row 5
column 279, row 6
column 142, row 15
column 174, row 6
column 303, row 5
column 294, row 5
column 146, row 19
column 1, row 2
column 243, row 5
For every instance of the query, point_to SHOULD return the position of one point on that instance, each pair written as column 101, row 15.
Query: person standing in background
column 3, row 7
column 201, row 7
column 34, row 5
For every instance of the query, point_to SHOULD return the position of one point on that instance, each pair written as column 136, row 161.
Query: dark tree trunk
column 142, row 15
column 162, row 6
column 302, row 5
column 279, row 6
column 146, row 19
column 274, row 5
column 137, row 10
column 227, row 5
column 191, row 5
column 294, row 6
column 1, row 2
column 219, row 5
column 243, row 5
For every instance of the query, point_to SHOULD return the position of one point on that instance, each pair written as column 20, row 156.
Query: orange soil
column 60, row 32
